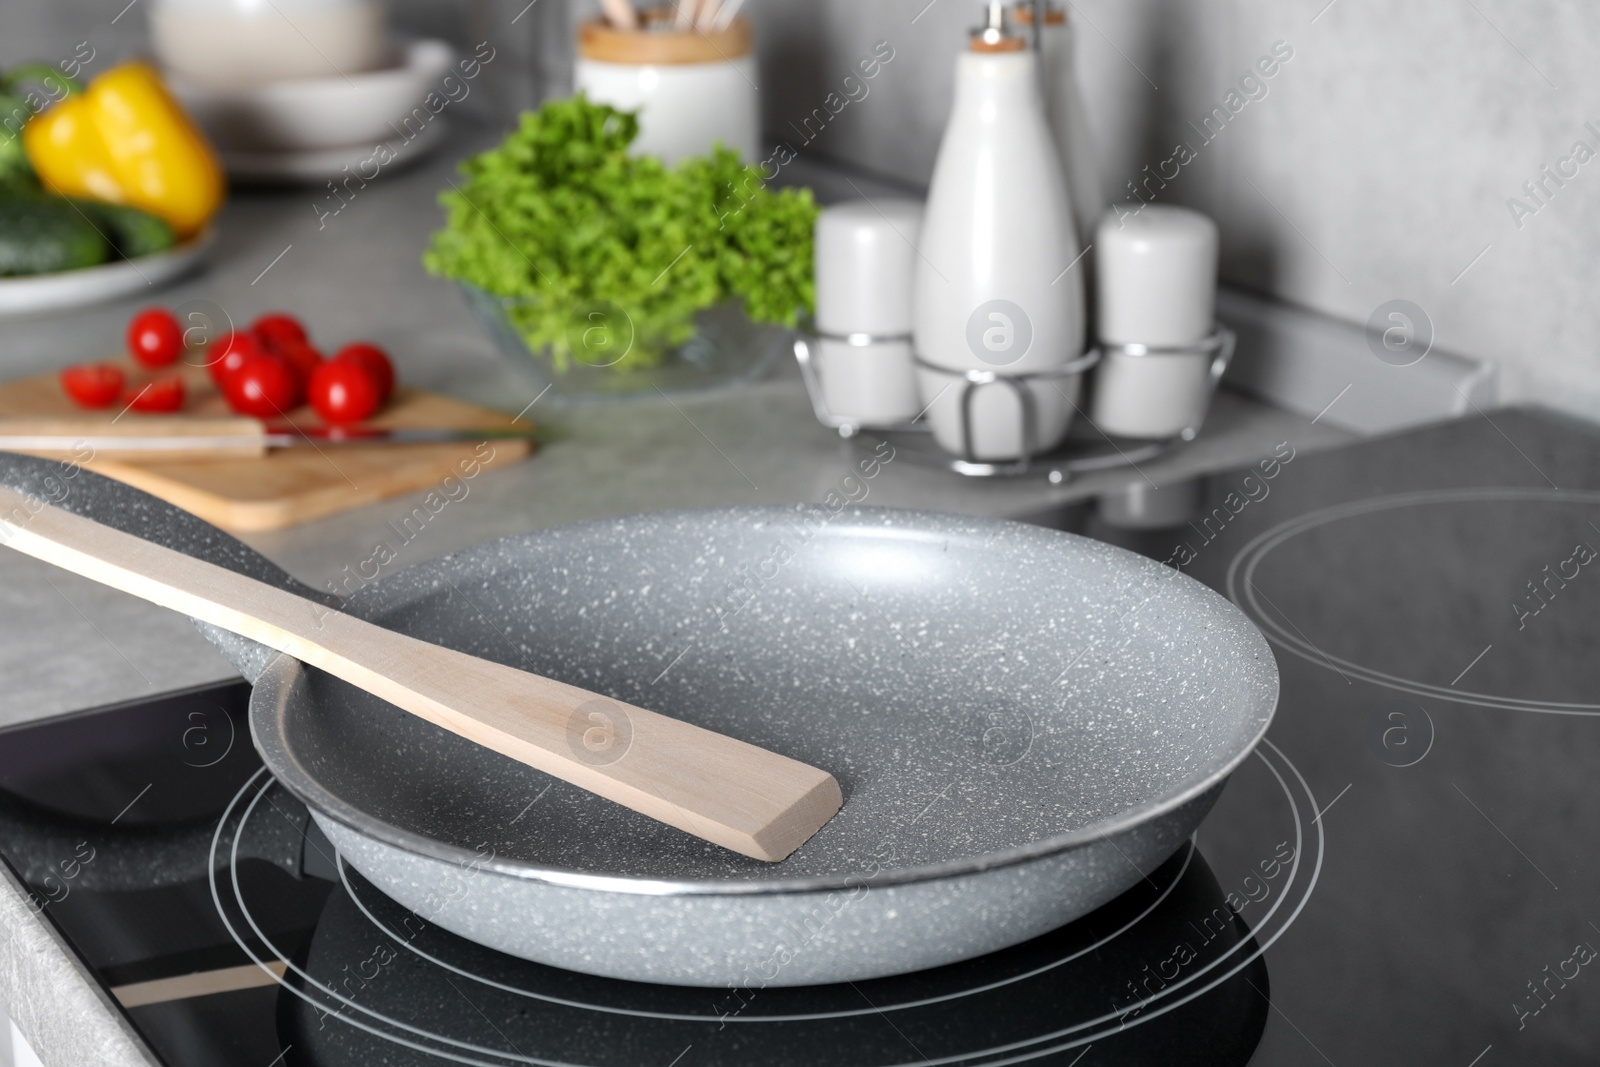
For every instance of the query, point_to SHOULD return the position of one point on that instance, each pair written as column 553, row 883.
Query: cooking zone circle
column 1529, row 552
column 1133, row 961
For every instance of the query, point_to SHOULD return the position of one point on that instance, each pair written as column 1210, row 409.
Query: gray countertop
column 66, row 644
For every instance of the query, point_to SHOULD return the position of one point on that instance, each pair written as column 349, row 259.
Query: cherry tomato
column 160, row 395
column 264, row 386
column 228, row 353
column 93, row 385
column 155, row 337
column 303, row 358
column 277, row 331
column 375, row 360
column 343, row 392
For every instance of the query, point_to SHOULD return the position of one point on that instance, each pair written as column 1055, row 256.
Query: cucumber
column 14, row 166
column 132, row 233
column 39, row 234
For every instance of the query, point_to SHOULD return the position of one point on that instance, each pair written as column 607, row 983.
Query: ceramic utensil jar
column 239, row 43
column 692, row 87
column 865, row 258
column 1157, row 297
column 993, row 293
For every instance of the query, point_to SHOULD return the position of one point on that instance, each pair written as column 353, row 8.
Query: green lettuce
column 588, row 246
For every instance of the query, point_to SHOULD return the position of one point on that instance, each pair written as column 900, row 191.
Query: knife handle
column 140, row 437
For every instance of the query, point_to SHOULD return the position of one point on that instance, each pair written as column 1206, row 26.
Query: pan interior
column 975, row 685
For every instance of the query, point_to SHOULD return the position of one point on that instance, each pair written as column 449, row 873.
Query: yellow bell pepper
column 125, row 140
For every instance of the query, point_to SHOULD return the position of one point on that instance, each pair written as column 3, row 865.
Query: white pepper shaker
column 865, row 253
column 1158, row 289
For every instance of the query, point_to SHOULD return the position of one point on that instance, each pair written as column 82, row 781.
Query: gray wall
column 1377, row 166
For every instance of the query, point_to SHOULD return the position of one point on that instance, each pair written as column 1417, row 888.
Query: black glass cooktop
column 1404, row 872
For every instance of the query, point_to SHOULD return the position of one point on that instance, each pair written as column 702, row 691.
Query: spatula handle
column 735, row 794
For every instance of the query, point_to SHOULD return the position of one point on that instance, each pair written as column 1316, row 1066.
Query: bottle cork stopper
column 1001, row 44
column 1053, row 15
column 994, row 35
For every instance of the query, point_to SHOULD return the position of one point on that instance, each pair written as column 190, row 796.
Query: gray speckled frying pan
column 1023, row 722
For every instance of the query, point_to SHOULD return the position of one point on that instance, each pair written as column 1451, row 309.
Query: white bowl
column 234, row 43
column 317, row 113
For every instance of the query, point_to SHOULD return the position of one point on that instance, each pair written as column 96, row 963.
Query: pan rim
column 279, row 677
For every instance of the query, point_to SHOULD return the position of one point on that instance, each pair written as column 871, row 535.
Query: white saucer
column 318, row 165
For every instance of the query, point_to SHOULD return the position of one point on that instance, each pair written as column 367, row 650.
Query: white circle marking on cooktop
column 1242, row 591
column 1148, row 1008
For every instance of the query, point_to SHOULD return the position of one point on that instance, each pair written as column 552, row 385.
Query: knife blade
column 282, row 435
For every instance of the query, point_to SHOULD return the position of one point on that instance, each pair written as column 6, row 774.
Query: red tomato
column 93, row 385
column 344, row 392
column 303, row 358
column 155, row 338
column 264, row 387
column 375, row 360
column 227, row 354
column 160, row 395
column 278, row 331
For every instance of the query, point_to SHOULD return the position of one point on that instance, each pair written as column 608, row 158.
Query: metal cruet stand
column 1081, row 453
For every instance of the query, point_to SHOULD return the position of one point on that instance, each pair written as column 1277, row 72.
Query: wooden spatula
column 741, row 797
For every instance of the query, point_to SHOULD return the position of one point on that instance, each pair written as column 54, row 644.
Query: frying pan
column 1024, row 722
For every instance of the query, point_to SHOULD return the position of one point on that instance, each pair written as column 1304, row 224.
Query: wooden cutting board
column 290, row 485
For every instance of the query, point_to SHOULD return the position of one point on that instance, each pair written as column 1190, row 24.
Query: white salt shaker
column 864, row 257
column 1157, row 305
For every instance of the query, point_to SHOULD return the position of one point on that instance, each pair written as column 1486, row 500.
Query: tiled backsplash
column 1438, row 151
column 1384, row 159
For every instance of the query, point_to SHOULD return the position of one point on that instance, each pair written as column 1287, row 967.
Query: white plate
column 312, row 114
column 318, row 165
column 35, row 294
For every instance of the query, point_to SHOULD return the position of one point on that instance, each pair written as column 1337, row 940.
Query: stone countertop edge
column 76, row 1024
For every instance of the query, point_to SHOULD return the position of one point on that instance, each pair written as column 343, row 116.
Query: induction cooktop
column 1403, row 873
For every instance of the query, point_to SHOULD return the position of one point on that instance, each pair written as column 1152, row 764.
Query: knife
column 188, row 438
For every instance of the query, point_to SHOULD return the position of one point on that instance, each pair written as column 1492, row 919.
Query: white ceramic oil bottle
column 1069, row 119
column 992, row 292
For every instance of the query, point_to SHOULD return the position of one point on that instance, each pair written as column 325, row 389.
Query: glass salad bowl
column 727, row 350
